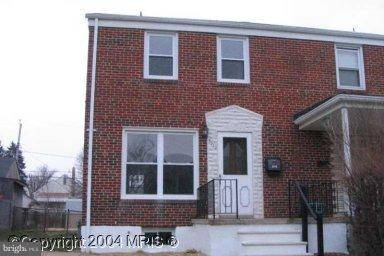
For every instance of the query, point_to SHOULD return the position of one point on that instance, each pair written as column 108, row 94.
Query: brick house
column 202, row 129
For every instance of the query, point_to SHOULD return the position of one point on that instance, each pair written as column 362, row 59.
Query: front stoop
column 272, row 240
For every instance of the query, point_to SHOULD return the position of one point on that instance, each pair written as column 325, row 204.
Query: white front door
column 235, row 163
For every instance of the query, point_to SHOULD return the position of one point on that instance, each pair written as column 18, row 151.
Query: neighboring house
column 200, row 129
column 11, row 190
column 61, row 193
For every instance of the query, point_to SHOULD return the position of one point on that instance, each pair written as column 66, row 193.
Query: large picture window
column 159, row 165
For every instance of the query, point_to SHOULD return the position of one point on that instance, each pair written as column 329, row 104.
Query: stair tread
column 279, row 254
column 267, row 232
column 273, row 243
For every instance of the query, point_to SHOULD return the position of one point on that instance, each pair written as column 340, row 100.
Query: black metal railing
column 316, row 209
column 326, row 196
column 218, row 197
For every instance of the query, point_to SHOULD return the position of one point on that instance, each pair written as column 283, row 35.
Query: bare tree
column 39, row 180
column 362, row 174
column 79, row 161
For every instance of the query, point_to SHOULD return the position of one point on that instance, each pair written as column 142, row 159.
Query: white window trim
column 175, row 53
column 162, row 131
column 245, row 41
column 360, row 57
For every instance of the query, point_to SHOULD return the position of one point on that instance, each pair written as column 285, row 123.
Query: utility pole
column 18, row 143
column 73, row 182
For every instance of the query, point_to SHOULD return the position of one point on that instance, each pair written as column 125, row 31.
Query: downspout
column 90, row 131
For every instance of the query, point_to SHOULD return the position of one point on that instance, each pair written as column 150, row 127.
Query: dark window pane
column 178, row 148
column 235, row 156
column 348, row 58
column 160, row 66
column 232, row 69
column 141, row 179
column 231, row 49
column 142, row 148
column 151, row 238
column 178, row 179
column 349, row 78
column 160, row 45
column 158, row 238
column 165, row 237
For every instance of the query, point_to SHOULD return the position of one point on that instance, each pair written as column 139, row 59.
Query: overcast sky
column 43, row 53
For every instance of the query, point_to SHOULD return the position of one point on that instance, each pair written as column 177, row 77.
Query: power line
column 50, row 170
column 47, row 154
column 37, row 159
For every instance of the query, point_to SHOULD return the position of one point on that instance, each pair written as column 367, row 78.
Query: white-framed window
column 159, row 164
column 350, row 67
column 232, row 59
column 160, row 55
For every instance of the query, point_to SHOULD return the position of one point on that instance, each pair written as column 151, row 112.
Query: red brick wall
column 286, row 76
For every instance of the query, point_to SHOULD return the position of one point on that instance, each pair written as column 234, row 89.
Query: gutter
column 91, row 130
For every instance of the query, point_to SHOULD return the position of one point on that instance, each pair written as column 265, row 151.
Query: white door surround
column 236, row 120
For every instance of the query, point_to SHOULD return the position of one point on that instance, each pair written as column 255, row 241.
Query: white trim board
column 234, row 28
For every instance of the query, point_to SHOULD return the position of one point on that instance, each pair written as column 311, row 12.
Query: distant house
column 11, row 190
column 61, row 193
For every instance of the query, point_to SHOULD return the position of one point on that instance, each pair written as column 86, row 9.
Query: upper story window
column 350, row 67
column 160, row 55
column 159, row 165
column 232, row 60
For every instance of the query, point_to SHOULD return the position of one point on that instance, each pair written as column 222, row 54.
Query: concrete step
column 269, row 236
column 301, row 254
column 272, row 228
column 273, row 248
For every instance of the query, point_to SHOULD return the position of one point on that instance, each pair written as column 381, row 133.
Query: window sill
column 165, row 201
column 161, row 81
column 351, row 88
column 235, row 84
column 158, row 198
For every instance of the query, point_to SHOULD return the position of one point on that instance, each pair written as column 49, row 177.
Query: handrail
column 305, row 200
column 318, row 216
column 217, row 197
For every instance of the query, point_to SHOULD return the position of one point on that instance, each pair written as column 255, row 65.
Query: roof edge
column 234, row 24
column 337, row 99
